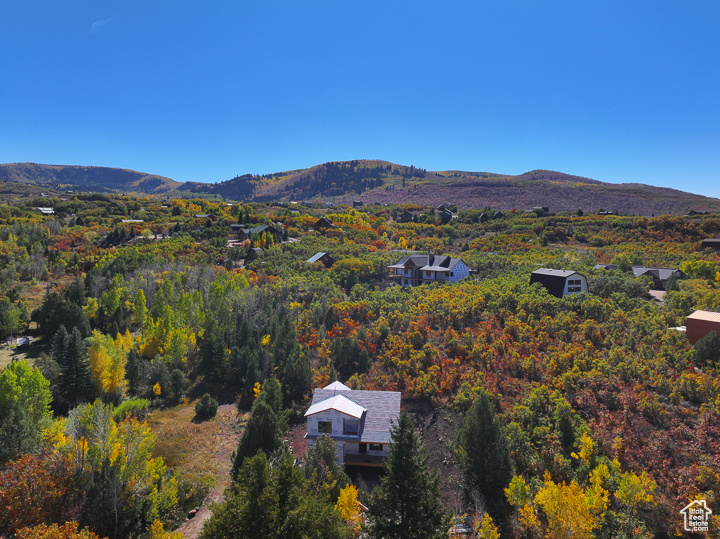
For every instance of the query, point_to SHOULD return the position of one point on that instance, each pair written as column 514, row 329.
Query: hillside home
column 359, row 421
column 710, row 243
column 324, row 222
column 252, row 254
column 700, row 323
column 45, row 211
column 415, row 270
column 405, row 217
column 244, row 233
column 445, row 216
column 560, row 283
column 659, row 276
column 325, row 258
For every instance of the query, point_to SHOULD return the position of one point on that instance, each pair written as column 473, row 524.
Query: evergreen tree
column 407, row 505
column 75, row 292
column 261, row 434
column 322, row 469
column 70, row 351
column 135, row 372
column 212, row 357
column 274, row 500
column 297, row 379
column 484, row 449
column 707, row 349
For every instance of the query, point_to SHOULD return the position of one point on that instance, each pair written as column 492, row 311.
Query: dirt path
column 225, row 440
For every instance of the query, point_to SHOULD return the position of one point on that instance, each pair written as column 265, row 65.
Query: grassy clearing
column 24, row 354
column 199, row 452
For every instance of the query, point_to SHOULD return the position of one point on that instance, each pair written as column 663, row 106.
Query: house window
column 350, row 426
column 375, row 447
column 324, row 427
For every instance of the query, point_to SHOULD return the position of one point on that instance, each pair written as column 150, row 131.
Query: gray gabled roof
column 554, row 272
column 429, row 262
column 383, row 410
column 315, row 257
column 662, row 274
column 552, row 279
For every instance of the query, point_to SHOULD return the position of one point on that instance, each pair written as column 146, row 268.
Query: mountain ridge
column 377, row 181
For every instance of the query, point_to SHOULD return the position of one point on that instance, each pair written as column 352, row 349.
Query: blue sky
column 613, row 90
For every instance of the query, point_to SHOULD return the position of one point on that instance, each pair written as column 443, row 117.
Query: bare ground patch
column 199, row 452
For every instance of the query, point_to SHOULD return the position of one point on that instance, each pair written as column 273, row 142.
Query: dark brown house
column 325, row 258
column 324, row 222
column 405, row 217
column 711, row 243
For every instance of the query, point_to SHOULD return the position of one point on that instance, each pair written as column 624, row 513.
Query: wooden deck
column 365, row 460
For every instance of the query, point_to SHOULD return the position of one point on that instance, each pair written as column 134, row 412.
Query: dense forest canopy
column 598, row 419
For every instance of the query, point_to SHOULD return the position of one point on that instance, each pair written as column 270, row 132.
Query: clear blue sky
column 613, row 90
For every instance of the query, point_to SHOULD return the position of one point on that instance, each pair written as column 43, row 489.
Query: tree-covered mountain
column 85, row 178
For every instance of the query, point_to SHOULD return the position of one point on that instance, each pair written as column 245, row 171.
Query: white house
column 560, row 282
column 415, row 270
column 358, row 421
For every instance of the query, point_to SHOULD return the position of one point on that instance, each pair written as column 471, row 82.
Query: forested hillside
column 84, row 178
column 596, row 418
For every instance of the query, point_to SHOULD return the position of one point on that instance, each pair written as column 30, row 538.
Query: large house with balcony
column 359, row 421
column 415, row 270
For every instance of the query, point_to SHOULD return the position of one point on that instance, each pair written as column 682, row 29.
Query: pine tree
column 134, row 372
column 484, row 449
column 322, row 469
column 261, row 434
column 407, row 505
column 274, row 500
column 70, row 351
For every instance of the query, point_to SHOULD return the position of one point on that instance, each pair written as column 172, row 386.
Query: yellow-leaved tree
column 349, row 507
column 568, row 512
column 635, row 492
column 485, row 528
column 96, row 446
column 157, row 531
column 107, row 360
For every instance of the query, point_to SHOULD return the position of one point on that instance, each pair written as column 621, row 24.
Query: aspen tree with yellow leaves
column 349, row 507
column 107, row 362
column 113, row 463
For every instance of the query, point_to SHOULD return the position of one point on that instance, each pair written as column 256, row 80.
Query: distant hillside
column 555, row 190
column 383, row 182
column 85, row 178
